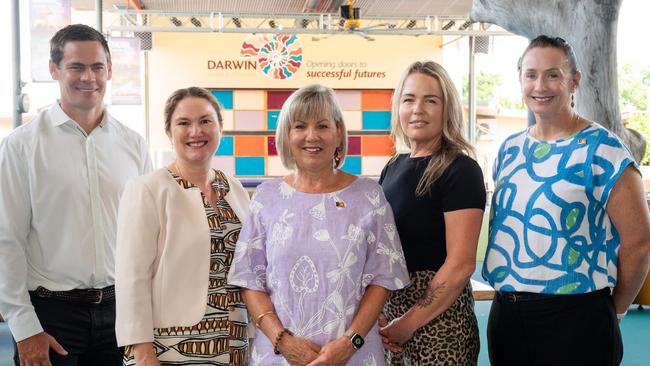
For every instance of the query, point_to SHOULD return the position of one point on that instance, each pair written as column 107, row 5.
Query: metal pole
column 15, row 45
column 471, row 108
column 99, row 15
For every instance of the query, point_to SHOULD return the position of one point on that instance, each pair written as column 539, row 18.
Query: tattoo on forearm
column 430, row 294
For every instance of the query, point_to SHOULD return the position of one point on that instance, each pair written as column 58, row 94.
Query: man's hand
column 35, row 350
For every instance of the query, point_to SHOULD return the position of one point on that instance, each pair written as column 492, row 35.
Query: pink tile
column 249, row 121
column 354, row 145
column 224, row 163
column 349, row 100
column 270, row 143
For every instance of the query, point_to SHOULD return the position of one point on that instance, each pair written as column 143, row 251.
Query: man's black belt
column 87, row 296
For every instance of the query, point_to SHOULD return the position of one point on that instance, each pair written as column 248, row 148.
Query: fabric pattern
column 220, row 338
column 549, row 230
column 314, row 254
column 451, row 338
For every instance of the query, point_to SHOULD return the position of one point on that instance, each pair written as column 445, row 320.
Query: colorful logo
column 279, row 55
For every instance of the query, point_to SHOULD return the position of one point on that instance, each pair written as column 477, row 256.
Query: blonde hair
column 452, row 141
column 309, row 101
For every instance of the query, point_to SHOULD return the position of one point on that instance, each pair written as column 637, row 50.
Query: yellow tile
column 274, row 167
column 352, row 120
column 248, row 100
column 372, row 165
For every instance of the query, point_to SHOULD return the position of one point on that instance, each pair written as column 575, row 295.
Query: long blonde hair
column 452, row 141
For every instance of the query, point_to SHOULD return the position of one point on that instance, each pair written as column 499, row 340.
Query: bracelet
column 278, row 338
column 620, row 317
column 258, row 319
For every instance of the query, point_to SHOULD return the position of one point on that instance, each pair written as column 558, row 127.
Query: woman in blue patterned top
column 569, row 235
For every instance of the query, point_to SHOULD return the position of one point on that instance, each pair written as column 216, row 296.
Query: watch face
column 357, row 341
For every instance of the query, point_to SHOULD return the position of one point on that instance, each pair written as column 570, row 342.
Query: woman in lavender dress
column 319, row 253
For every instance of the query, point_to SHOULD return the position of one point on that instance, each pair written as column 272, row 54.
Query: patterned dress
column 315, row 254
column 220, row 338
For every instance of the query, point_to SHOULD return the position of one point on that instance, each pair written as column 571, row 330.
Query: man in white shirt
column 61, row 177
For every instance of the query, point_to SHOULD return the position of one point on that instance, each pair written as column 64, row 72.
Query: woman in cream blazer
column 177, row 228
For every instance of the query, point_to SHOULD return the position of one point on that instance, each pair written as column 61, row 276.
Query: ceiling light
column 411, row 24
column 237, row 22
column 448, row 25
column 304, row 23
column 175, row 21
column 273, row 24
column 465, row 25
column 195, row 22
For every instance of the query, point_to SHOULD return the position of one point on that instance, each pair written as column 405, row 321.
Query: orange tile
column 376, row 100
column 376, row 146
column 250, row 146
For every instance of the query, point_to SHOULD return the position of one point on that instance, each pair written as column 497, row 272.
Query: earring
column 572, row 103
column 337, row 157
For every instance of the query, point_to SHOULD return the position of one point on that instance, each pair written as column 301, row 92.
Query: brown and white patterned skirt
column 449, row 339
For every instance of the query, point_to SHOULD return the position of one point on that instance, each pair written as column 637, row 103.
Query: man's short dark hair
column 75, row 32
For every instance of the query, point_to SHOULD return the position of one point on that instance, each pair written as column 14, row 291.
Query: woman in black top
column 438, row 197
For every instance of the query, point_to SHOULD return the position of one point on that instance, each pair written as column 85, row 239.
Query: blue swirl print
column 549, row 230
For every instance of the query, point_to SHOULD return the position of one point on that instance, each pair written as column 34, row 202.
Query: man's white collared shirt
column 59, row 191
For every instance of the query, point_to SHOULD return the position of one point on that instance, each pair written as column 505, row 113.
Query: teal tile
column 272, row 119
column 352, row 165
column 224, row 97
column 226, row 146
column 249, row 165
column 375, row 120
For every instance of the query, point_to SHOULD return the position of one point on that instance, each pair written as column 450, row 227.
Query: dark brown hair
column 75, row 32
column 555, row 42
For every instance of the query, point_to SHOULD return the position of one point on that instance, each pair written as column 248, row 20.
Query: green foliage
column 508, row 103
column 485, row 85
column 640, row 122
column 633, row 88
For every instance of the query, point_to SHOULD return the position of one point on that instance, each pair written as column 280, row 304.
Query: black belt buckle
column 511, row 296
column 99, row 293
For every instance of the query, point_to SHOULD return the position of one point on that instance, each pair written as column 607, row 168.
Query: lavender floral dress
column 315, row 254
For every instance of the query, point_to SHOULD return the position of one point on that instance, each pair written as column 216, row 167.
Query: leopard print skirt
column 450, row 339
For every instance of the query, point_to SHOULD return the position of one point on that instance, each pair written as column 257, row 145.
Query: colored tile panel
column 376, row 145
column 224, row 163
column 275, row 167
column 225, row 146
column 270, row 146
column 352, row 165
column 373, row 165
column 354, row 145
column 249, row 165
column 349, row 100
column 249, row 120
column 376, row 120
column 248, row 100
column 352, row 120
column 250, row 145
column 376, row 100
column 224, row 97
column 272, row 119
column 275, row 98
column 228, row 119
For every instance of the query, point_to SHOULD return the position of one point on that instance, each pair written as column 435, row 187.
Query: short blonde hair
column 314, row 100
